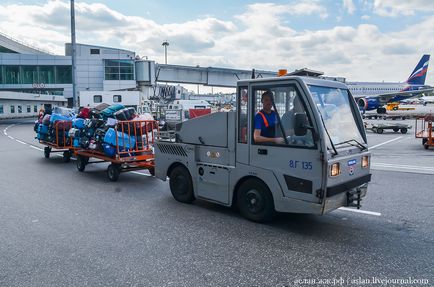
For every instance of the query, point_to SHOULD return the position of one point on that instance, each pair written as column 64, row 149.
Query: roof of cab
column 306, row 80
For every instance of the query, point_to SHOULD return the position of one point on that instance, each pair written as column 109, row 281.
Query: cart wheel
column 181, row 185
column 81, row 162
column 255, row 201
column 424, row 141
column 66, row 156
column 113, row 171
column 404, row 130
column 395, row 130
column 152, row 171
column 379, row 131
column 47, row 151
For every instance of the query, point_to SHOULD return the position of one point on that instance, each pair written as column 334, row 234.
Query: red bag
column 84, row 113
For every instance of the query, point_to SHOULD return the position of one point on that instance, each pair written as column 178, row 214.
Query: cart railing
column 61, row 138
column 143, row 133
column 423, row 127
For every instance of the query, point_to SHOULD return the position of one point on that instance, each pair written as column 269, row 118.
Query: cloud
column 259, row 37
column 349, row 6
column 394, row 8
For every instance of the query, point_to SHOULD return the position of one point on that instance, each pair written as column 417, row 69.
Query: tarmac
column 60, row 227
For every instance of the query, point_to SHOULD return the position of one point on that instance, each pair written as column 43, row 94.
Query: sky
column 361, row 40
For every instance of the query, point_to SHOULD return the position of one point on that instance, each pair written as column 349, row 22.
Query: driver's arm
column 260, row 139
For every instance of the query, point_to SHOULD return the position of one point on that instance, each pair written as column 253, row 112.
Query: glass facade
column 11, row 75
column 46, row 74
column 29, row 74
column 119, row 70
column 16, row 74
column 1, row 109
column 63, row 74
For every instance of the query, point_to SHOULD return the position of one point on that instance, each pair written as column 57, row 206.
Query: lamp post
column 74, row 57
column 165, row 44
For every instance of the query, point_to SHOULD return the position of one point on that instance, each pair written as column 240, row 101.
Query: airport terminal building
column 31, row 78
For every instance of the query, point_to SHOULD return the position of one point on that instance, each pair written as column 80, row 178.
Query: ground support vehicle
column 380, row 128
column 133, row 150
column 60, row 141
column 317, row 162
column 396, row 116
column 424, row 130
column 396, row 107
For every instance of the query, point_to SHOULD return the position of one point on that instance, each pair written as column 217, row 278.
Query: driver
column 266, row 122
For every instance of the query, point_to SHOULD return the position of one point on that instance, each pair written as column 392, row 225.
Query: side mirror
column 300, row 124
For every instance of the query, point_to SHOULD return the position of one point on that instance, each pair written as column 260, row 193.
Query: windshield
column 335, row 109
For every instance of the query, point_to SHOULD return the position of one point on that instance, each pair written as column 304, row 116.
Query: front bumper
column 350, row 198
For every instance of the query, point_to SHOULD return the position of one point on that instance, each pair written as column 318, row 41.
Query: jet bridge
column 149, row 72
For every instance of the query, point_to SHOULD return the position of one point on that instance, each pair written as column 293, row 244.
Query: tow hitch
column 354, row 197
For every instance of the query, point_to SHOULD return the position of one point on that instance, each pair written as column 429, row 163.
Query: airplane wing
column 385, row 98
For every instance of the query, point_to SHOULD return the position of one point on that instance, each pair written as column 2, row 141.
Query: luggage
column 101, row 107
column 99, row 135
column 74, row 133
column 109, row 111
column 43, row 129
column 58, row 117
column 126, row 114
column 123, row 140
column 76, row 142
column 78, row 123
column 84, row 142
column 111, row 122
column 109, row 150
column 46, row 119
column 64, row 112
column 84, row 113
column 62, row 125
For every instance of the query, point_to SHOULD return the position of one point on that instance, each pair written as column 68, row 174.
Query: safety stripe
column 264, row 118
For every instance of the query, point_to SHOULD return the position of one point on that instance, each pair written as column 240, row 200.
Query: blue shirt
column 269, row 132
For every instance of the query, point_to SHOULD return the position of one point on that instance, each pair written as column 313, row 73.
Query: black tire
column 81, row 162
column 47, row 151
column 67, row 156
column 152, row 171
column 395, row 130
column 404, row 130
column 424, row 141
column 181, row 185
column 426, row 146
column 379, row 131
column 113, row 172
column 381, row 110
column 255, row 202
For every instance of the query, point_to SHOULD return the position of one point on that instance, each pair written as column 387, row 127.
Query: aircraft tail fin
column 418, row 75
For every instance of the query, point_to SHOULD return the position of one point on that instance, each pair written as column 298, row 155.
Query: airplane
column 374, row 95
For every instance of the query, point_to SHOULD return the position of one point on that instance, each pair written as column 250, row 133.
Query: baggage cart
column 395, row 127
column 424, row 130
column 133, row 151
column 61, row 142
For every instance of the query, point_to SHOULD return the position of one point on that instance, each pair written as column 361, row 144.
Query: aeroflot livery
column 374, row 95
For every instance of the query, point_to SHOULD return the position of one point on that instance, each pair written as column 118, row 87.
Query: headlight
column 335, row 169
column 365, row 161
